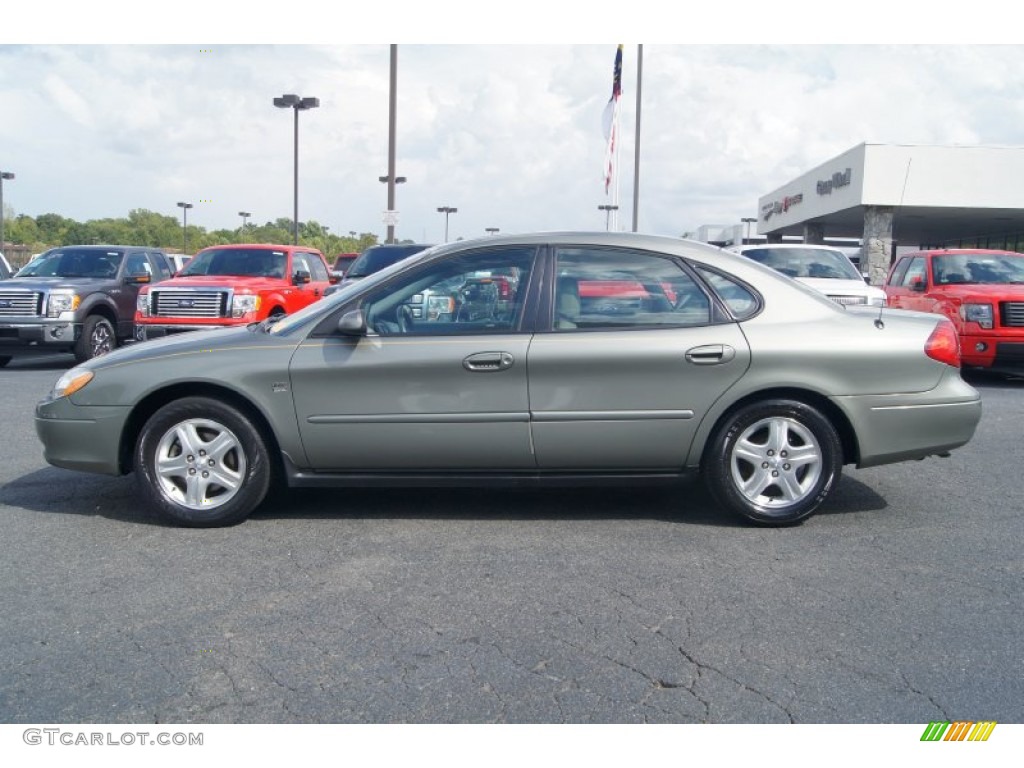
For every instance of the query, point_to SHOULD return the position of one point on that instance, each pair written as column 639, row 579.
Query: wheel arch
column 104, row 310
column 840, row 422
column 158, row 399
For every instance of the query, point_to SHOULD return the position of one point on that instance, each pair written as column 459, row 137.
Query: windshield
column 72, row 262
column 377, row 257
column 806, row 262
column 242, row 262
column 978, row 268
column 318, row 308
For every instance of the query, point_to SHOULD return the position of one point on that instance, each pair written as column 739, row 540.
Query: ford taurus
column 551, row 358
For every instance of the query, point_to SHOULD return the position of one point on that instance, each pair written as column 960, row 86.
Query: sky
column 736, row 101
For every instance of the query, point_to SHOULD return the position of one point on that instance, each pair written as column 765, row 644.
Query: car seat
column 567, row 303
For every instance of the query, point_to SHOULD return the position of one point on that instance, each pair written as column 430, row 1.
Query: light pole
column 245, row 215
column 297, row 104
column 184, row 226
column 4, row 176
column 492, row 230
column 607, row 214
column 748, row 222
column 391, row 181
column 447, row 210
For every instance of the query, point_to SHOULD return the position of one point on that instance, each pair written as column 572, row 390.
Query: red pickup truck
column 227, row 285
column 981, row 291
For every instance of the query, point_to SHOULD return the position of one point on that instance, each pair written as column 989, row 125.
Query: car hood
column 838, row 285
column 206, row 342
column 225, row 281
column 50, row 283
column 986, row 292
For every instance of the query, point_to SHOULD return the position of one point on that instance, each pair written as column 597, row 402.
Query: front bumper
column 1001, row 350
column 84, row 438
column 144, row 332
column 44, row 336
column 902, row 427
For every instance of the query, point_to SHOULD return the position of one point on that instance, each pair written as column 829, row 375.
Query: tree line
column 142, row 227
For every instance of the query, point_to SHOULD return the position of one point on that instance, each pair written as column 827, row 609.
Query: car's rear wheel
column 200, row 462
column 97, row 338
column 774, row 462
column 4, row 360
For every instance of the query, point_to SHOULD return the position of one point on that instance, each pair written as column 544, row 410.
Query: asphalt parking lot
column 900, row 602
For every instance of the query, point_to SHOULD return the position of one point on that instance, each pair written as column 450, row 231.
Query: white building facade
column 923, row 196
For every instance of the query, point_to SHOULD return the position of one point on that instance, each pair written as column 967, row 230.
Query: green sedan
column 568, row 358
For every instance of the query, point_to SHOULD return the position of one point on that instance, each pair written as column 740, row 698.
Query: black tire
column 746, row 467
column 201, row 440
column 97, row 338
column 4, row 360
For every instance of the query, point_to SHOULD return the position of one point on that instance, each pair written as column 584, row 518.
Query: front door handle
column 711, row 354
column 488, row 361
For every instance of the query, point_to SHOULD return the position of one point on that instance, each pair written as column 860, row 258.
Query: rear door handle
column 483, row 362
column 711, row 354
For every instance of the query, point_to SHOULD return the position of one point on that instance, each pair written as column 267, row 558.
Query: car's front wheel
column 4, row 360
column 200, row 462
column 774, row 462
column 97, row 338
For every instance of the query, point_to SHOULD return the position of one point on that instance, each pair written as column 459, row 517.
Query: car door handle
column 711, row 354
column 488, row 361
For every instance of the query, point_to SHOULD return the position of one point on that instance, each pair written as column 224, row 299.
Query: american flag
column 611, row 121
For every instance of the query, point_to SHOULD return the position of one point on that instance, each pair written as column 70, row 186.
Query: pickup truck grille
column 174, row 303
column 848, row 299
column 1012, row 314
column 21, row 303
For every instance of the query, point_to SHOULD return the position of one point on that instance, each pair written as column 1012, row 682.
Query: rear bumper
column 892, row 428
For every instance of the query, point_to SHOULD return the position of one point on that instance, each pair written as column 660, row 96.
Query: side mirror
column 138, row 278
column 917, row 285
column 352, row 323
column 301, row 277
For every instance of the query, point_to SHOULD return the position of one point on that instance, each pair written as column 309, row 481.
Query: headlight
column 142, row 304
column 70, row 382
column 62, row 301
column 439, row 305
column 876, row 301
column 245, row 304
column 977, row 313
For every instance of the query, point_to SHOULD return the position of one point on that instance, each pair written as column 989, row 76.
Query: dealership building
column 884, row 195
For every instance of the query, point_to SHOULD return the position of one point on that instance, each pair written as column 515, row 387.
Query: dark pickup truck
column 76, row 298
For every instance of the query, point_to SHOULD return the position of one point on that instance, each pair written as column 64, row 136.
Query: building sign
column 780, row 206
column 839, row 179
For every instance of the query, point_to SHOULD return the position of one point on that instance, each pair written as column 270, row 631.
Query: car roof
column 788, row 246
column 960, row 251
column 94, row 247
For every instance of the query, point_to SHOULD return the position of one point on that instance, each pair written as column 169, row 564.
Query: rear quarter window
column 741, row 301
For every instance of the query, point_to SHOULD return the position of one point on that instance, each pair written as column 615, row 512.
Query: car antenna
column 879, row 323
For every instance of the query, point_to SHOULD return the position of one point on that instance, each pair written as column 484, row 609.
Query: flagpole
column 636, row 136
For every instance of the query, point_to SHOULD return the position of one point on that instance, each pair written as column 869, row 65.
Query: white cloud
column 509, row 134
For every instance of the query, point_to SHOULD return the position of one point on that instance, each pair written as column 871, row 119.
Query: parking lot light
column 184, row 226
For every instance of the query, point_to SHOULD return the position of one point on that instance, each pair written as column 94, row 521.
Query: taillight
column 944, row 345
